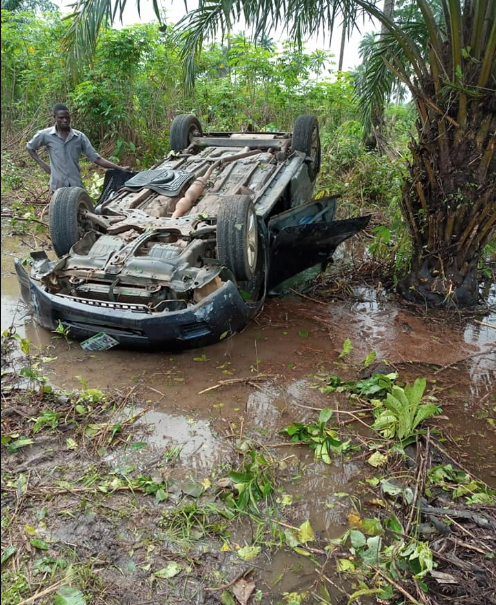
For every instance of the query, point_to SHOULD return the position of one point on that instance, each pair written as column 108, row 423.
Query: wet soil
column 206, row 401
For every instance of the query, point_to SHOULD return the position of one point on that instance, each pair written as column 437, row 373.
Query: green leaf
column 362, row 593
column 425, row 411
column 15, row 445
column 370, row 556
column 37, row 543
column 377, row 459
column 347, row 348
column 66, row 595
column 371, row 527
column 249, row 553
column 369, row 359
column 227, row 599
column 306, row 533
column 172, row 569
column 138, row 445
column 301, row 551
column 192, row 488
column 357, row 539
column 390, row 489
column 415, row 392
column 8, row 552
column 325, row 415
column 345, row 565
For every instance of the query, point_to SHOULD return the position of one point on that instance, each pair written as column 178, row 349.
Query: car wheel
column 237, row 236
column 67, row 219
column 183, row 129
column 306, row 139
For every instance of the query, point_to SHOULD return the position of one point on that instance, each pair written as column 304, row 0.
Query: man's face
column 62, row 120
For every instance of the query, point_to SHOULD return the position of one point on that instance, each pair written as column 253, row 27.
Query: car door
column 305, row 236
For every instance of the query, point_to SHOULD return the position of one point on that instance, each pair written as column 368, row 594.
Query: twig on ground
column 231, row 381
column 314, row 300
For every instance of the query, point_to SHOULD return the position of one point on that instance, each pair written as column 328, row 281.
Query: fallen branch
column 398, row 587
column 231, row 381
column 314, row 300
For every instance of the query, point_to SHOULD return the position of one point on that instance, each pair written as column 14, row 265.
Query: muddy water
column 204, row 400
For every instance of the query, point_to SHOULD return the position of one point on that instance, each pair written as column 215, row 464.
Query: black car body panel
column 183, row 255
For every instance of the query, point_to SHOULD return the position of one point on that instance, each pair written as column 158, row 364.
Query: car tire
column 237, row 236
column 306, row 138
column 183, row 129
column 67, row 224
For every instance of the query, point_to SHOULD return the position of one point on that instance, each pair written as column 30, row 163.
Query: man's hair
column 59, row 107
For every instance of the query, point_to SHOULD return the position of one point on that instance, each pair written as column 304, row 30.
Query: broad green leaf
column 377, row 459
column 172, row 569
column 357, row 539
column 193, row 489
column 325, row 415
column 390, row 489
column 371, row 527
column 227, row 599
column 347, row 348
column 240, row 477
column 15, row 445
column 66, row 595
column 425, row 411
column 415, row 392
column 161, row 495
column 37, row 543
column 371, row 554
column 369, row 359
column 8, row 552
column 249, row 553
column 345, row 565
column 301, row 551
column 306, row 533
column 291, row 539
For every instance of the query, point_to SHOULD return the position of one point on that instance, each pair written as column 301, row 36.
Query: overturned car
column 183, row 255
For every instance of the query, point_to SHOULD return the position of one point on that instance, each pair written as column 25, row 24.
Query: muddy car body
column 183, row 255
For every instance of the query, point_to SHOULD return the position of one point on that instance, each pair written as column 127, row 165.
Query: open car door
column 305, row 236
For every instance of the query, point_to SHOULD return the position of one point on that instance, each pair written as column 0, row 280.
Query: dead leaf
column 243, row 589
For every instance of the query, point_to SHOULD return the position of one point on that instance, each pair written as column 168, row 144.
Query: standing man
column 65, row 146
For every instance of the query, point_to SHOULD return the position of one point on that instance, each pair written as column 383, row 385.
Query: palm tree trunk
column 343, row 44
column 449, row 201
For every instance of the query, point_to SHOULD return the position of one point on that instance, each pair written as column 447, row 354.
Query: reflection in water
column 200, row 448
column 261, row 409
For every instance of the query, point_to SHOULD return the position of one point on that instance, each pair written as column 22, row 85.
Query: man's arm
column 38, row 160
column 106, row 164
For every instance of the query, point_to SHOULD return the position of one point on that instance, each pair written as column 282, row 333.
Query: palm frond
column 87, row 19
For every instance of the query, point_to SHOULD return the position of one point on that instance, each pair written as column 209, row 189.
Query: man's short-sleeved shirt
column 64, row 155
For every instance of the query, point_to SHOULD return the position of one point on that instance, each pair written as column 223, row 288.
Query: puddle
column 200, row 449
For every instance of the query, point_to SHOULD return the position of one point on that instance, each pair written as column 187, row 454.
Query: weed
column 318, row 437
column 400, row 413
column 254, row 482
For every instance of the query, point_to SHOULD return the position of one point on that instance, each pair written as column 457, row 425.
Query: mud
column 256, row 383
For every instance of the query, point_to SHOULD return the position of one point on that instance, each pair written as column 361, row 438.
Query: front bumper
column 216, row 317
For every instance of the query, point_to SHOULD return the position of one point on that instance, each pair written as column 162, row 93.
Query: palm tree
column 444, row 53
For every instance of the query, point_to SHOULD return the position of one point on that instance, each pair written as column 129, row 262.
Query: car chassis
column 183, row 255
